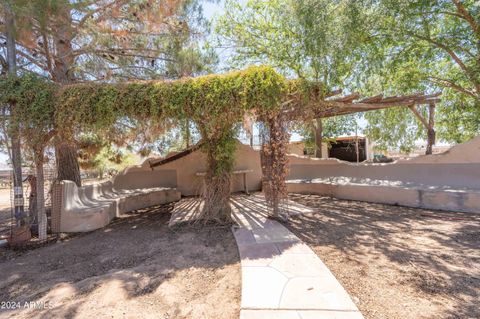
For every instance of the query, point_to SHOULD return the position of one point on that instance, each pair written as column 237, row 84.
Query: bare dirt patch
column 136, row 267
column 397, row 262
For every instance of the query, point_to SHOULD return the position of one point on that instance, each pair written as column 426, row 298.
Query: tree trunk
column 42, row 216
column 216, row 194
column 10, row 34
column 67, row 162
column 430, row 141
column 318, row 138
column 274, row 163
column 187, row 133
column 64, row 57
column 66, row 153
column 431, row 135
column 16, row 155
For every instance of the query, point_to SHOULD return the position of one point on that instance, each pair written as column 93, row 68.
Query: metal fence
column 8, row 220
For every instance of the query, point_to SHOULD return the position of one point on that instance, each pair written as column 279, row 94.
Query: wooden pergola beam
column 419, row 116
column 333, row 93
column 338, row 108
column 375, row 98
column 347, row 98
column 346, row 105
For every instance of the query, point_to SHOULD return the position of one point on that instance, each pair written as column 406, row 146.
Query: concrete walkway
column 281, row 276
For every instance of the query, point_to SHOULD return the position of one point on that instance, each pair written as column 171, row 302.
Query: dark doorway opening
column 346, row 149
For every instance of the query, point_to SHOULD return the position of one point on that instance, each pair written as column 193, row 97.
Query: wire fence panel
column 24, row 199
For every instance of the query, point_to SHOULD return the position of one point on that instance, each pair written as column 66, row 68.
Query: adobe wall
column 458, row 167
column 181, row 173
column 297, row 148
column 143, row 177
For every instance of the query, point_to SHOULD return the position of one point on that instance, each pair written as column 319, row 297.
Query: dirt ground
column 136, row 267
column 397, row 262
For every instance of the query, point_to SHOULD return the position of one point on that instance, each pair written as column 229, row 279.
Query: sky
column 211, row 9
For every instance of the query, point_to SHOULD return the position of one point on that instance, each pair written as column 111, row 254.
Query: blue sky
column 211, row 9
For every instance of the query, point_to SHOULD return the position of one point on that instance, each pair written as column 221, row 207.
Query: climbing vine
column 215, row 103
column 30, row 100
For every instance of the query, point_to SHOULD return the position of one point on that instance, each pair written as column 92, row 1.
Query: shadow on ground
column 397, row 262
column 134, row 267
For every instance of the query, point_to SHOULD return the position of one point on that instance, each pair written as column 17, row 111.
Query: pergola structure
column 353, row 103
column 215, row 103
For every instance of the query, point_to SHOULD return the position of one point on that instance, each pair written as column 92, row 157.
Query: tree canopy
column 313, row 40
column 421, row 46
column 375, row 46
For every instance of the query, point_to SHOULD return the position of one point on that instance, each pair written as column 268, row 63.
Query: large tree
column 11, row 141
column 426, row 45
column 388, row 46
column 311, row 39
column 104, row 40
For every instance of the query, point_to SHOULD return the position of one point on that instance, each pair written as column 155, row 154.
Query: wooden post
column 318, row 137
column 429, row 125
column 431, row 135
column 356, row 143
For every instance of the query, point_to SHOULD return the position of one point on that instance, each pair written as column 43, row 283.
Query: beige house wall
column 448, row 181
column 181, row 173
column 296, row 148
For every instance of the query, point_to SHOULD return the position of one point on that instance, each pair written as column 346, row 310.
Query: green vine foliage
column 31, row 107
column 211, row 99
column 215, row 103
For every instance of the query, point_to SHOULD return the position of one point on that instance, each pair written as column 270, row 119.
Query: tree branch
column 465, row 14
column 100, row 9
column 47, row 53
column 452, row 85
column 29, row 58
column 453, row 55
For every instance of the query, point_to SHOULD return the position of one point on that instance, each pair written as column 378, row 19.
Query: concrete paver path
column 281, row 276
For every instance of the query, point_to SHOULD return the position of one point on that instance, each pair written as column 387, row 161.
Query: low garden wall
column 458, row 167
column 449, row 181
